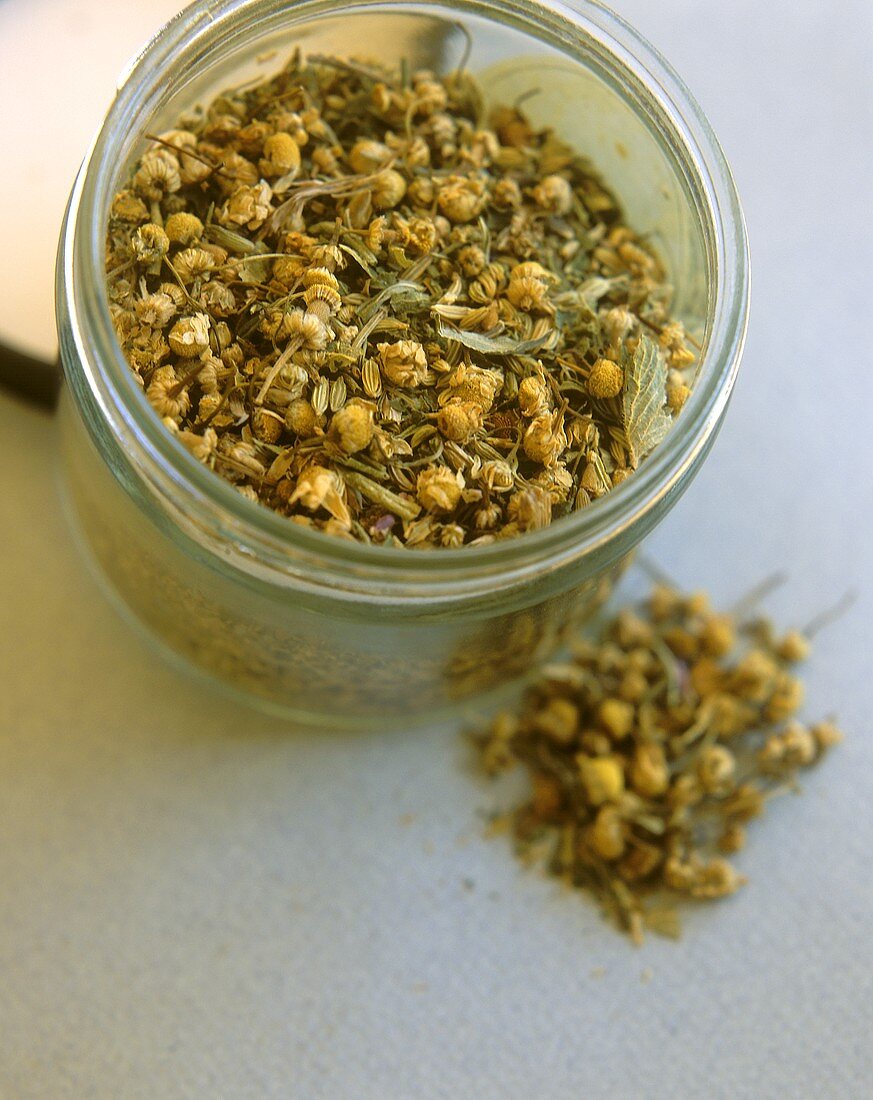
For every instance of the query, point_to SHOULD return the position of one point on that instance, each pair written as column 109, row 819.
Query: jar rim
column 271, row 537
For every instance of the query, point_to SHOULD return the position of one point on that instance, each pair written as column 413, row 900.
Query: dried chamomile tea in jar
column 386, row 317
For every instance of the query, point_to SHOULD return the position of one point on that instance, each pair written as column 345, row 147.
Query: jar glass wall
column 318, row 627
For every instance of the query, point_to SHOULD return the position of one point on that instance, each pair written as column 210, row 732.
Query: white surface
column 197, row 903
column 59, row 63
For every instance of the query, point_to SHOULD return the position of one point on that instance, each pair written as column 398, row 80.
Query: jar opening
column 207, row 37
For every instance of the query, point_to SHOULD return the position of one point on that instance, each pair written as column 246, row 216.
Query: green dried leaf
column 645, row 390
column 489, row 345
column 246, row 255
column 258, row 271
column 281, row 465
column 234, row 242
column 403, row 296
column 378, row 494
column 602, row 476
column 585, row 298
column 362, row 256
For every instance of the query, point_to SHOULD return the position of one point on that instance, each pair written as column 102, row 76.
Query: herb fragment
column 651, row 750
column 645, row 387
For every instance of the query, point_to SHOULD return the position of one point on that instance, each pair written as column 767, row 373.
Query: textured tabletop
column 196, row 902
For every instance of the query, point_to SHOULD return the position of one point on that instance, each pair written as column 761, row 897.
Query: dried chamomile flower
column 605, row 379
column 189, row 336
column 157, row 175
column 786, row 699
column 210, row 373
column 429, row 95
column 318, row 487
column 217, row 299
column 530, row 508
column 706, row 880
column 618, row 323
column 367, row 156
column 461, row 198
column 795, row 746
column 247, row 206
column 606, row 834
column 166, row 398
column 602, row 778
column 301, row 418
column 487, row 517
column 534, row 396
column 128, row 207
column 472, row 260
column 451, row 535
column 417, row 235
column 306, row 329
column 438, row 489
column 533, row 269
column 240, row 458
column 677, row 394
column 497, row 475
column 192, row 167
column 507, row 194
column 616, row 716
column 528, row 290
column 191, row 263
column 404, row 363
column 558, row 719
column 554, row 194
column 716, row 768
column 826, row 735
column 793, row 647
column 475, row 384
column 389, row 187
column 352, row 428
column 281, row 156
column 650, row 772
column 718, row 635
column 322, row 301
column 267, row 426
column 150, row 243
column 156, row 310
column 202, row 446
column 672, row 338
column 557, row 481
column 460, row 420
column 327, row 256
column 183, row 228
column 544, row 439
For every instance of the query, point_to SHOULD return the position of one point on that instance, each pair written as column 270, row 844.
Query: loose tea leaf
column 490, row 345
column 645, row 420
column 386, row 317
column 651, row 750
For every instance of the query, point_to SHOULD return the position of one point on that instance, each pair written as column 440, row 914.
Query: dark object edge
column 33, row 379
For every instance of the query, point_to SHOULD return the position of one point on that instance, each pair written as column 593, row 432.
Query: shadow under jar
column 322, row 629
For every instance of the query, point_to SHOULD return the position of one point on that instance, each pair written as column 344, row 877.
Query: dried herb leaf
column 378, row 494
column 403, row 296
column 489, row 345
column 362, row 256
column 586, row 297
column 645, row 421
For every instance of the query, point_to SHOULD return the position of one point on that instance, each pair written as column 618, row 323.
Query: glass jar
column 319, row 628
